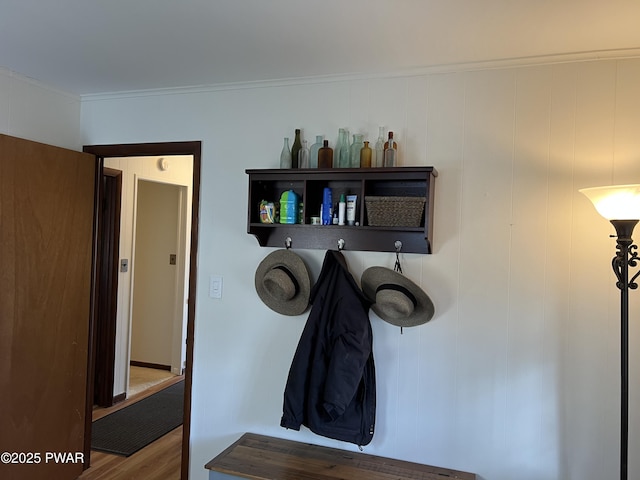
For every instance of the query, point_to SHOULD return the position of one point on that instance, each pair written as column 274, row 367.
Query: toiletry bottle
column 327, row 206
column 289, row 204
column 342, row 207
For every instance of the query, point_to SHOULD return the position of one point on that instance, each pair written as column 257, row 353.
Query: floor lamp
column 620, row 204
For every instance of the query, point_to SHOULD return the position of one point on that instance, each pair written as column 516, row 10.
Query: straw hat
column 398, row 300
column 283, row 282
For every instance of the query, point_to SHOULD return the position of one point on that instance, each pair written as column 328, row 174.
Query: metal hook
column 287, row 243
column 340, row 244
column 398, row 267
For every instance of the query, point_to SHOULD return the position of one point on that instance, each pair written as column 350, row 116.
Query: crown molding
column 590, row 56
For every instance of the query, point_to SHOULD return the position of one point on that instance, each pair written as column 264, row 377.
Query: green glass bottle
column 354, row 151
column 295, row 148
column 313, row 151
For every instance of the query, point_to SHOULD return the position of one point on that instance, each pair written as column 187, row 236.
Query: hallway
column 157, row 461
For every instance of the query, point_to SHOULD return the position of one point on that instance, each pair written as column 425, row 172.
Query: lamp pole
column 626, row 256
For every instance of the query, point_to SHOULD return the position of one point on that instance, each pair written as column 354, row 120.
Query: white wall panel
column 517, row 374
column 31, row 110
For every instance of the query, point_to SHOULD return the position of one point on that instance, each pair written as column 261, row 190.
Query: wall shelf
column 268, row 184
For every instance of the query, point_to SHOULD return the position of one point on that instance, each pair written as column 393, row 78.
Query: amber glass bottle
column 365, row 156
column 325, row 156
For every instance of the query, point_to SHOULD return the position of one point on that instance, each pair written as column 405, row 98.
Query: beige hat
column 397, row 300
column 283, row 282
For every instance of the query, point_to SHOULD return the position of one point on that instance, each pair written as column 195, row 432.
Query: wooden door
column 46, row 244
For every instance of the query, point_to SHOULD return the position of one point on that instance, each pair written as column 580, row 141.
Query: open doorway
column 159, row 149
column 160, row 269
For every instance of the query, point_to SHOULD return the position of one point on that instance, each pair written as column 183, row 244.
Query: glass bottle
column 303, row 156
column 390, row 152
column 390, row 141
column 285, row 155
column 295, row 148
column 341, row 157
column 313, row 151
column 325, row 155
column 354, row 151
column 365, row 156
column 379, row 149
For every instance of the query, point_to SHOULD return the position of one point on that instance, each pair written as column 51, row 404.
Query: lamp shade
column 615, row 202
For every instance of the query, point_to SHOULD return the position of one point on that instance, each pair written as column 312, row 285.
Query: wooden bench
column 258, row 457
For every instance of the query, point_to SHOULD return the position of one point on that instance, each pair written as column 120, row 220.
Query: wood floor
column 159, row 461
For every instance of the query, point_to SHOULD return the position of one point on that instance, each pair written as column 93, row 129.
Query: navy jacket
column 331, row 387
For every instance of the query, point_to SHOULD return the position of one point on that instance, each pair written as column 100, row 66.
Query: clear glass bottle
column 295, row 148
column 313, row 151
column 341, row 157
column 325, row 155
column 390, row 152
column 285, row 155
column 379, row 149
column 303, row 156
column 365, row 156
column 354, row 151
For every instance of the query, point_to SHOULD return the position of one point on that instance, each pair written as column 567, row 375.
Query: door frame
column 106, row 289
column 193, row 148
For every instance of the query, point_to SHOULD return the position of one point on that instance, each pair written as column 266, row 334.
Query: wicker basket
column 394, row 211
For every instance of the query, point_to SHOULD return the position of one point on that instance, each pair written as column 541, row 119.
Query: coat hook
column 340, row 244
column 287, row 243
column 398, row 266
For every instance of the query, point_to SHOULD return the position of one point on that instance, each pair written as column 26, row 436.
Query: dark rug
column 128, row 430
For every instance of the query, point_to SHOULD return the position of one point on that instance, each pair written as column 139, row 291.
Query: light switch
column 215, row 286
column 124, row 265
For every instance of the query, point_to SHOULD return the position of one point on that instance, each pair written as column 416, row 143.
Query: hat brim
column 297, row 268
column 374, row 277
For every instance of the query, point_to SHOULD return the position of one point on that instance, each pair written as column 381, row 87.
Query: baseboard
column 157, row 366
column 120, row 398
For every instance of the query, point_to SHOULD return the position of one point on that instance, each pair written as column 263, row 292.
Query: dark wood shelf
column 309, row 183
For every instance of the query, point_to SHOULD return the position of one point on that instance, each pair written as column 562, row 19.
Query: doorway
column 159, row 268
column 159, row 149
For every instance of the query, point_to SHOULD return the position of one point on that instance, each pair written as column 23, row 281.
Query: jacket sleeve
column 351, row 349
column 296, row 387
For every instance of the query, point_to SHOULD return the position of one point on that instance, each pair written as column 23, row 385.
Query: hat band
column 398, row 288
column 292, row 277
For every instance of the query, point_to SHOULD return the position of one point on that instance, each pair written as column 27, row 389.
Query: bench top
column 259, row 457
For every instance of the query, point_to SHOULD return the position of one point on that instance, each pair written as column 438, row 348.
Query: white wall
column 180, row 172
column 33, row 111
column 517, row 374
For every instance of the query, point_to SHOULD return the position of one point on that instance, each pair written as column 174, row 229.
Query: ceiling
column 98, row 46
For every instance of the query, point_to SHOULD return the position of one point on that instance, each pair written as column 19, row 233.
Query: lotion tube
column 351, row 209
